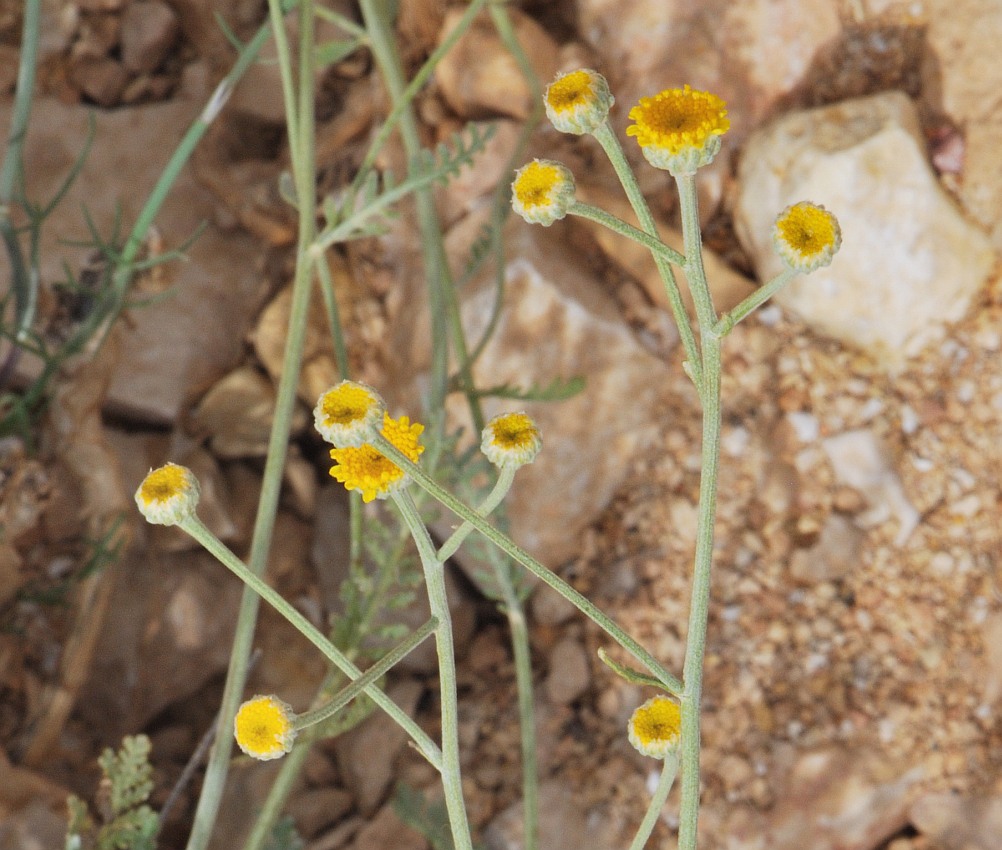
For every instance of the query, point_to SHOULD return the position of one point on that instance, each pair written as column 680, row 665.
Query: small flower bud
column 349, row 414
column 511, row 440
column 656, row 727
column 168, row 495
column 543, row 192
column 806, row 237
column 263, row 728
column 578, row 102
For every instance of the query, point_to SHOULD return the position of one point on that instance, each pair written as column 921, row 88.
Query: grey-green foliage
column 284, row 836
column 365, row 208
column 126, row 821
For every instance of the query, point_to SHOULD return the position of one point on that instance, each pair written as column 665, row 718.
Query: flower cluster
column 263, row 728
column 365, row 469
column 679, row 130
column 168, row 495
column 349, row 416
column 806, row 237
column 656, row 727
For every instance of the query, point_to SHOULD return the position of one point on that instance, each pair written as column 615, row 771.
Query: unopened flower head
column 263, row 728
column 578, row 102
column 656, row 727
column 679, row 130
column 363, row 468
column 542, row 192
column 168, row 495
column 349, row 414
column 511, row 440
column 806, row 236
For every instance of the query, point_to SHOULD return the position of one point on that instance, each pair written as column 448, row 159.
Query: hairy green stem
column 665, row 782
column 692, row 673
column 434, row 575
column 370, row 677
column 485, row 508
column 752, row 302
column 196, row 528
column 610, row 144
column 24, row 285
column 301, row 132
column 617, row 225
column 508, row 546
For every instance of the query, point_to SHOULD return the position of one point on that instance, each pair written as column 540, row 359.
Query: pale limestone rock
column 569, row 675
column 860, row 461
column 558, row 323
column 954, row 822
column 386, row 832
column 749, row 52
column 966, row 76
column 834, row 557
column 834, row 799
column 149, row 30
column 727, row 287
column 909, row 262
column 194, row 335
column 564, row 823
column 479, row 78
column 237, row 414
column 366, row 757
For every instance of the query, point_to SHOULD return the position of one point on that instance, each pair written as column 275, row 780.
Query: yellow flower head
column 806, row 236
column 656, row 727
column 168, row 495
column 263, row 728
column 348, row 414
column 511, row 440
column 543, row 192
column 578, row 102
column 679, row 130
column 365, row 469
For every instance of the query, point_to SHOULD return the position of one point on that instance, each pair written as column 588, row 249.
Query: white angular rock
column 557, row 323
column 909, row 262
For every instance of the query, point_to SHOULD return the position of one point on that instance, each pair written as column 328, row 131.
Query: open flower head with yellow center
column 511, row 440
column 542, row 192
column 679, row 130
column 263, row 728
column 656, row 727
column 168, row 495
column 578, row 102
column 364, row 469
column 349, row 414
column 806, row 237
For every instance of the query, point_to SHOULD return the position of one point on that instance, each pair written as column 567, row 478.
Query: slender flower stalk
column 548, row 577
column 668, row 770
column 434, row 574
column 194, row 526
column 605, row 136
column 692, row 673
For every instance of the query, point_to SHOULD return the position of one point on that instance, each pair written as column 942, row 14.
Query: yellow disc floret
column 511, row 440
column 364, row 469
column 578, row 102
column 168, row 495
column 679, row 130
column 348, row 414
column 806, row 236
column 656, row 727
column 543, row 192
column 263, row 728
